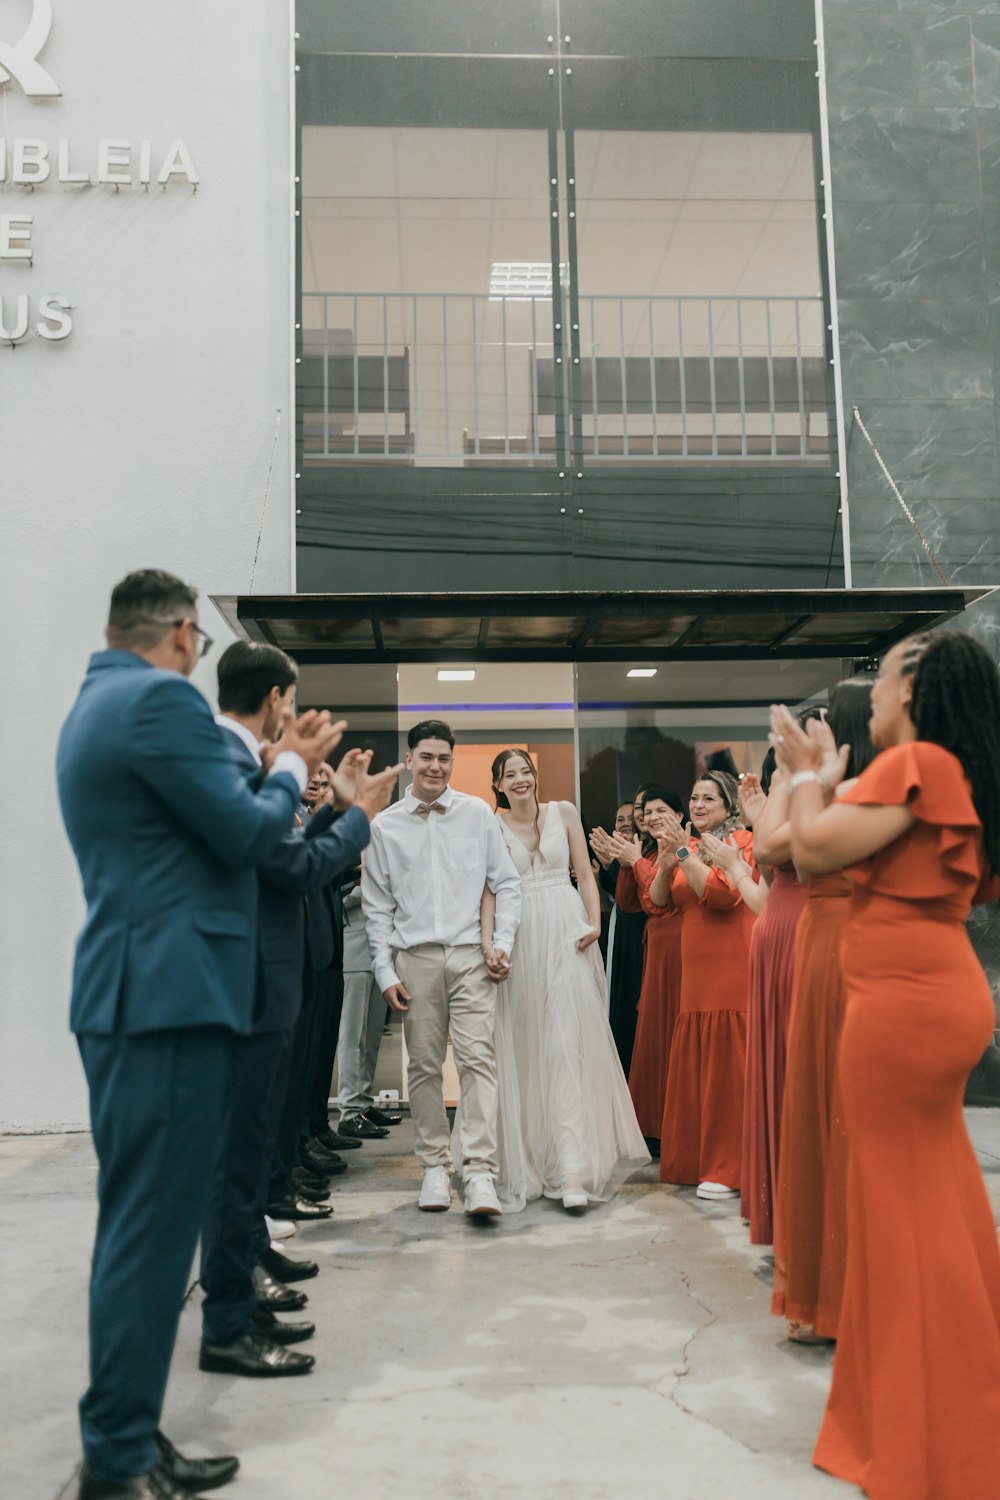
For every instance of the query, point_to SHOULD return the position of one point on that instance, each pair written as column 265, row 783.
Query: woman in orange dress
column 772, row 970
column 659, row 1000
column 809, row 1210
column 914, row 1410
column 701, row 1135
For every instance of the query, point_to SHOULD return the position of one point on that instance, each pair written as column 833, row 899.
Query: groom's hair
column 430, row 729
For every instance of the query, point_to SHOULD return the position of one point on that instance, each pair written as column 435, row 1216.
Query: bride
column 566, row 1125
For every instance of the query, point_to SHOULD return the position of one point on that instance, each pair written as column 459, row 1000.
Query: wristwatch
column 683, row 854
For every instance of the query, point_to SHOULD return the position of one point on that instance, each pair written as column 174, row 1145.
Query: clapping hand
column 601, row 844
column 625, row 851
column 810, row 749
column 753, row 798
column 669, row 832
column 312, row 736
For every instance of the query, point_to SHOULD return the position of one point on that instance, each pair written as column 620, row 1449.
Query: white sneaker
column 716, row 1190
column 435, row 1190
column 574, row 1199
column 481, row 1196
column 280, row 1229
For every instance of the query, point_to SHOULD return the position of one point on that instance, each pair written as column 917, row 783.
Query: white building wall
column 143, row 439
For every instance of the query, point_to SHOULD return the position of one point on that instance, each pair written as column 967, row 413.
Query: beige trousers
column 451, row 990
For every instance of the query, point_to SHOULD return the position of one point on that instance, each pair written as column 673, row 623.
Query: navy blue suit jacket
column 166, row 833
column 304, row 860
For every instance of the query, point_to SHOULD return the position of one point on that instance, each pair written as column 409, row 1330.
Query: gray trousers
column 361, row 1023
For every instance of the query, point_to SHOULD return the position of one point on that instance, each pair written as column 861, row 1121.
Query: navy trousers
column 294, row 1101
column 154, row 1100
column 230, row 1243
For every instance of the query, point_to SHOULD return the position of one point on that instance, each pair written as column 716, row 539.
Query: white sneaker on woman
column 435, row 1190
column 481, row 1196
column 279, row 1229
column 716, row 1190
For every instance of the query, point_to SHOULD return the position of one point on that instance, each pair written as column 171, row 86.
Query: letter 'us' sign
column 36, row 165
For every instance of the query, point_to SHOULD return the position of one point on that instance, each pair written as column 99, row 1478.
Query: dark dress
column 626, row 959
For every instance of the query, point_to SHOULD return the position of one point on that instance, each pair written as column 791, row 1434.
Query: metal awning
column 672, row 625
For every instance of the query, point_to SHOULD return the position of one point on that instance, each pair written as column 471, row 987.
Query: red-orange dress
column 702, row 1133
column 769, row 1003
column 809, row 1212
column 914, row 1411
column 659, row 1004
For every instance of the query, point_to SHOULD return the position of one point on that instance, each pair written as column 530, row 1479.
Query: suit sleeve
column 304, row 864
column 179, row 751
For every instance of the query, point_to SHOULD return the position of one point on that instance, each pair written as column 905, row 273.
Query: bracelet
column 800, row 777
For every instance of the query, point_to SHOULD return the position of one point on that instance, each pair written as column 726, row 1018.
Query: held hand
column 373, row 793
column 397, row 996
column 497, row 965
column 753, row 799
column 582, row 944
column 312, row 736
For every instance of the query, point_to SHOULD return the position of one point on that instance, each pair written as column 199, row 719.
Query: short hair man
column 422, row 883
column 166, row 834
column 241, row 1334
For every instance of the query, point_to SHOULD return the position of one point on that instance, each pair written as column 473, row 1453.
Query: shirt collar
column 413, row 801
column 241, row 732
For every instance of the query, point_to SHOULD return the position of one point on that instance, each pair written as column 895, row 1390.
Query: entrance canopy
column 672, row 625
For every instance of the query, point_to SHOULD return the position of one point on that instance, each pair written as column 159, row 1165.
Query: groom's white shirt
column 423, row 877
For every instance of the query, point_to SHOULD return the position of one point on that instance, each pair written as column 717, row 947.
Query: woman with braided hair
column 914, row 1410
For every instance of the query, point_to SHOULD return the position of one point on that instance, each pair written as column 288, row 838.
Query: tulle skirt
column 566, row 1118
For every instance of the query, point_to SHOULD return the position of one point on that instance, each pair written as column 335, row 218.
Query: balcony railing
column 455, row 380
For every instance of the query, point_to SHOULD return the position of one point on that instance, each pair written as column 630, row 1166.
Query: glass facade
column 566, row 271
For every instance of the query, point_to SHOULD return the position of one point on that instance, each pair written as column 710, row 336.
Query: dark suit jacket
column 303, row 862
column 166, row 834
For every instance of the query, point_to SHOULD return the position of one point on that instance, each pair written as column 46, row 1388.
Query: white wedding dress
column 565, row 1117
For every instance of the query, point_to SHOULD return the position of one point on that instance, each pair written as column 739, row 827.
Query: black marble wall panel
column 913, row 95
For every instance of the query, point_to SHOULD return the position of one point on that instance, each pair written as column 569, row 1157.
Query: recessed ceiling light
column 641, row 672
column 456, row 677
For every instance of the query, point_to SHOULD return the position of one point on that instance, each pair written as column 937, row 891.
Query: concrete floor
column 626, row 1352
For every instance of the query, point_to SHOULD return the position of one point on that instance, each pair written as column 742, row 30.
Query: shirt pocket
column 466, row 856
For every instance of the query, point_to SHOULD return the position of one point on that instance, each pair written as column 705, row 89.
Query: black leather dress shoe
column 382, row 1117
column 281, row 1333
column 283, row 1268
column 302, row 1177
column 363, row 1129
column 324, row 1163
column 254, row 1355
column 194, row 1473
column 332, row 1140
column 156, row 1485
column 274, row 1294
column 312, row 1195
column 298, row 1208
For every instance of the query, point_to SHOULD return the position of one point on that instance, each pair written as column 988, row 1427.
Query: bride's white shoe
column 574, row 1199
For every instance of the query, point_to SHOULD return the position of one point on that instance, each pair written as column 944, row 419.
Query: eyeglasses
column 206, row 639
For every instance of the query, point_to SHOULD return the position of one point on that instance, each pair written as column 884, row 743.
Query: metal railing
column 449, row 379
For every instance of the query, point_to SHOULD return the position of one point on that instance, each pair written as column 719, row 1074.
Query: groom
column 430, row 858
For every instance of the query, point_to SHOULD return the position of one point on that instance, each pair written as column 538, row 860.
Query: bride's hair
column 497, row 770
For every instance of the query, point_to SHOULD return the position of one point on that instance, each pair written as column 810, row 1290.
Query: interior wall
column 149, row 437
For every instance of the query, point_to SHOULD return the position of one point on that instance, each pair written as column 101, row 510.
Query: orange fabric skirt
column 914, row 1410
column 659, row 1004
column 809, row 1211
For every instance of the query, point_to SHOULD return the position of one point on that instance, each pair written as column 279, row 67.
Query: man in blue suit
column 241, row 1334
column 166, row 833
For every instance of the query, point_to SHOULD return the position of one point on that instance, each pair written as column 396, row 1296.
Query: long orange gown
column 769, row 1003
column 914, row 1410
column 701, row 1138
column 809, row 1211
column 659, row 1005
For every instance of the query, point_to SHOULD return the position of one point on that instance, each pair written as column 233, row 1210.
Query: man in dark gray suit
column 166, row 833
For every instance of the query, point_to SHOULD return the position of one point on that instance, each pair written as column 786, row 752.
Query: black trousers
column 154, row 1101
column 327, row 1011
column 230, row 1242
column 293, row 1104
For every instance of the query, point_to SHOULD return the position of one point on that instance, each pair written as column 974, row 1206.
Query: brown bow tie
column 424, row 809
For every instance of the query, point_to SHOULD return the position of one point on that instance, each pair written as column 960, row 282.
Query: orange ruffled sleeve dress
column 659, row 1004
column 701, row 1139
column 914, row 1409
